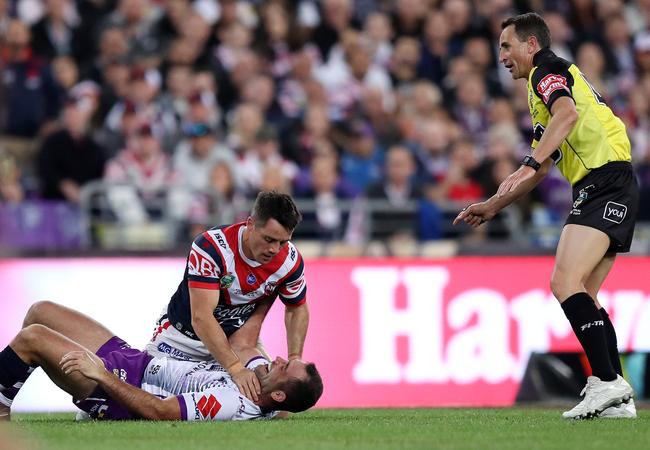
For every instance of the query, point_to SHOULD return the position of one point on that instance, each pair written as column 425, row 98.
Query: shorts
column 608, row 199
column 129, row 365
column 168, row 342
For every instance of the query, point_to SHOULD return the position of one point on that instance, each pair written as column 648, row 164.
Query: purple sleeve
column 181, row 403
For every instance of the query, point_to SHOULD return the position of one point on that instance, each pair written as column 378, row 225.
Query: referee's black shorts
column 608, row 199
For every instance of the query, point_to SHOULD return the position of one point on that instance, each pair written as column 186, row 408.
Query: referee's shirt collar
column 543, row 53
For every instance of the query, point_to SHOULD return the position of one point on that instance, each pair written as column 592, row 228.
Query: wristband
column 294, row 355
column 531, row 162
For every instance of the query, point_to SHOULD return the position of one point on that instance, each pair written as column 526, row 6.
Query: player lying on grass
column 109, row 380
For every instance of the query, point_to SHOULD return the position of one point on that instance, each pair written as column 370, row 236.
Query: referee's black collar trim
column 537, row 58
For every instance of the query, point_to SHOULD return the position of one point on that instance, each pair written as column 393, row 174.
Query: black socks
column 612, row 344
column 589, row 326
column 13, row 373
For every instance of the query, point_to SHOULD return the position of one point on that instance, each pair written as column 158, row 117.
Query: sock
column 612, row 343
column 13, row 373
column 589, row 327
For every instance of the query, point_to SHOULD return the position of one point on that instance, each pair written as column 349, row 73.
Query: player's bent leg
column 37, row 345
column 579, row 252
column 593, row 284
column 597, row 277
column 74, row 325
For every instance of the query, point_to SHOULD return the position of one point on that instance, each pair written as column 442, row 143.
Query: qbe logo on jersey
column 615, row 212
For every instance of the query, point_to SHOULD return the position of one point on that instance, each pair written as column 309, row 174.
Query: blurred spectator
column 435, row 52
column 408, row 17
column 55, row 34
column 347, row 74
column 143, row 174
column 457, row 184
column 195, row 156
column 471, row 107
column 302, row 140
column 399, row 216
column 69, row 158
column 263, row 156
column 292, row 92
column 66, row 73
column 277, row 37
column 404, row 62
column 363, row 158
column 327, row 220
column 11, row 189
column 377, row 27
column 260, row 90
column 141, row 164
column 135, row 17
column 246, row 120
column 336, row 17
column 591, row 61
column 32, row 100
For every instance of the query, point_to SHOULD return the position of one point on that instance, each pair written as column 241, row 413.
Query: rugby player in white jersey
column 111, row 381
column 232, row 273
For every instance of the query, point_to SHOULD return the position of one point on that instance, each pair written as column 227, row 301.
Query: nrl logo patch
column 269, row 288
column 227, row 280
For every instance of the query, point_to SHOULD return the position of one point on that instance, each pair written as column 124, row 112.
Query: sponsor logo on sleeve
column 209, row 406
column 615, row 212
column 551, row 83
column 198, row 264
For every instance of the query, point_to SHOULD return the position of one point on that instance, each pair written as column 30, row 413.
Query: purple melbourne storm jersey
column 216, row 261
column 204, row 389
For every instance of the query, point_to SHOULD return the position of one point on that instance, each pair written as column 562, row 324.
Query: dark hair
column 301, row 394
column 530, row 24
column 278, row 206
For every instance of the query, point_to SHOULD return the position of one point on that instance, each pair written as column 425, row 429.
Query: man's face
column 272, row 376
column 266, row 241
column 515, row 55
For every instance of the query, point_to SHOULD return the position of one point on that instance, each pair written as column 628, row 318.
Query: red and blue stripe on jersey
column 217, row 261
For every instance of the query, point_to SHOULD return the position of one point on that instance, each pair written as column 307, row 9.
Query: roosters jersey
column 597, row 138
column 204, row 389
column 217, row 261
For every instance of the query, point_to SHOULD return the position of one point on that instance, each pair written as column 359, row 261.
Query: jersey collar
column 240, row 247
column 537, row 57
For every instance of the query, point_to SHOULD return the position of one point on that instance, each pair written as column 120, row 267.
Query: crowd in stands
column 177, row 102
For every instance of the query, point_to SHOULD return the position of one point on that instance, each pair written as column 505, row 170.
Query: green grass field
column 373, row 429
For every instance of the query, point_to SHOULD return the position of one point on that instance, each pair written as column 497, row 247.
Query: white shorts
column 168, row 342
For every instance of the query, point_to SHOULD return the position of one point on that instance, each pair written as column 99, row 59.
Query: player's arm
column 478, row 213
column 564, row 116
column 202, row 305
column 140, row 403
column 244, row 341
column 293, row 294
column 296, row 321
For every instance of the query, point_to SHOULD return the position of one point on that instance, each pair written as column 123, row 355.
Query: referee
column 576, row 130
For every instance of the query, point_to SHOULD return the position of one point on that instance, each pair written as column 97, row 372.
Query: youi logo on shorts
column 615, row 212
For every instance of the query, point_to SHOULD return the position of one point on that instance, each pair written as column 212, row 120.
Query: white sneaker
column 600, row 395
column 82, row 416
column 622, row 411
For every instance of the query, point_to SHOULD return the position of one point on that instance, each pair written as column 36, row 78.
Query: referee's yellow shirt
column 598, row 137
